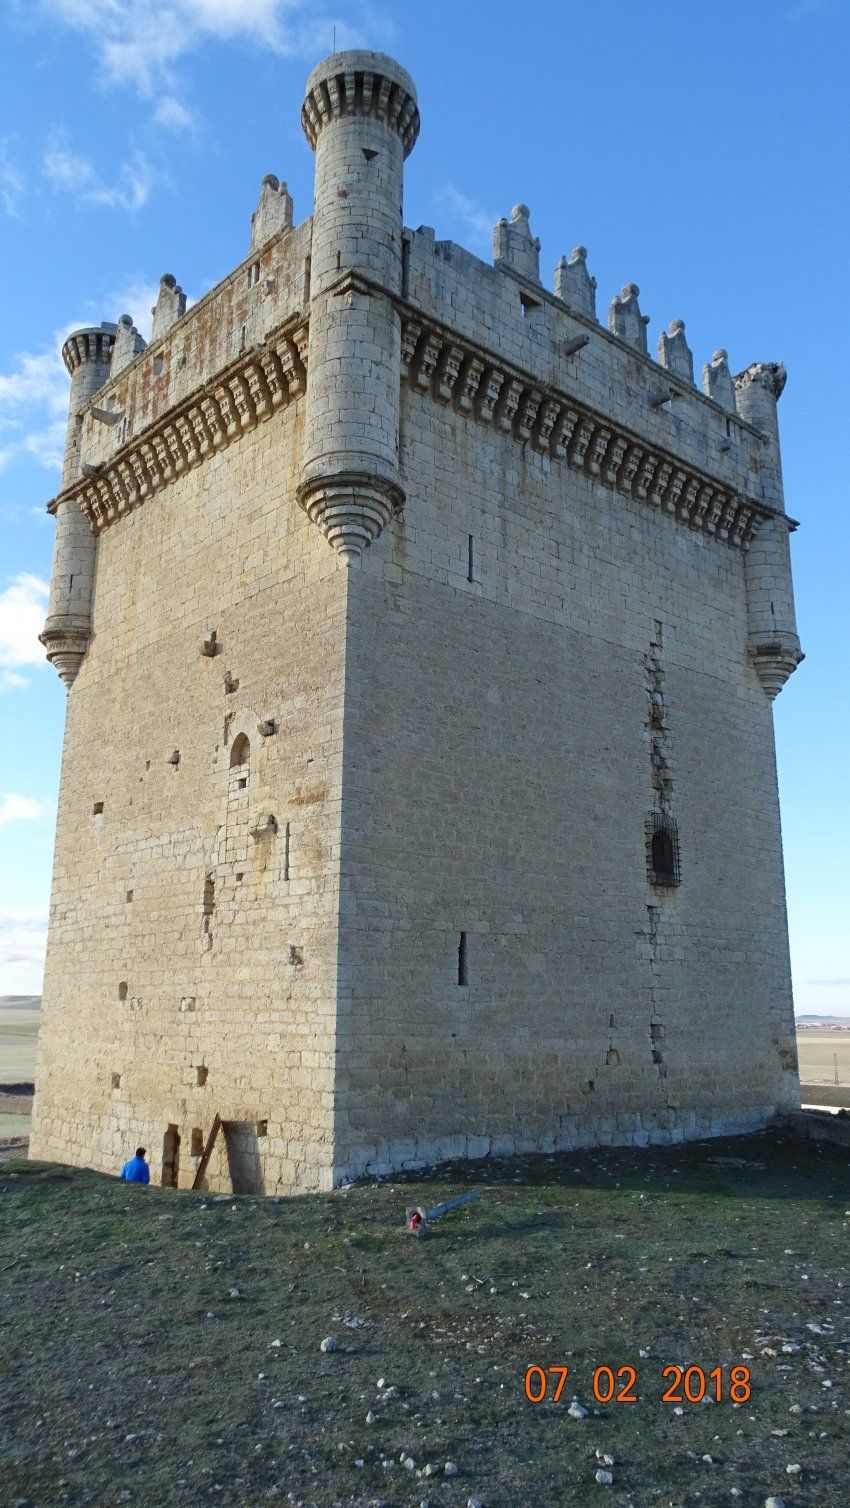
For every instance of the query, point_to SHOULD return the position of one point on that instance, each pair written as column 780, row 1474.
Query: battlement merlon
column 360, row 116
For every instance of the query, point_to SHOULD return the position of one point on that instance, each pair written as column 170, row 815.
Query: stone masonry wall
column 497, row 781
column 182, row 959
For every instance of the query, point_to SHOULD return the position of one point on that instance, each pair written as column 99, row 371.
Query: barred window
column 662, row 856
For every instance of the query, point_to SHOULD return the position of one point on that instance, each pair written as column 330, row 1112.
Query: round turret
column 360, row 116
column 87, row 354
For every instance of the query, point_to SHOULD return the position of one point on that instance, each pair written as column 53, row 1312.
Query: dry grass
column 139, row 1375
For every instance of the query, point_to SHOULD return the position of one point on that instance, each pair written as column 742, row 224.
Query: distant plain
column 824, row 1053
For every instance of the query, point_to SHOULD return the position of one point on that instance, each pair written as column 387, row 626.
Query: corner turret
column 87, row 354
column 360, row 116
column 773, row 643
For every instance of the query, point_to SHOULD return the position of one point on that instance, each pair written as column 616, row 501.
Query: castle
column 419, row 794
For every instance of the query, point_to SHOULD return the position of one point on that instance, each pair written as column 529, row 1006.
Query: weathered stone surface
column 419, row 741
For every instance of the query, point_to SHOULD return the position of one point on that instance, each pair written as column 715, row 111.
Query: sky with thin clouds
column 696, row 150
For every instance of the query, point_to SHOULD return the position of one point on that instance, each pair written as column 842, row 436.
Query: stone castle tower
column 419, row 795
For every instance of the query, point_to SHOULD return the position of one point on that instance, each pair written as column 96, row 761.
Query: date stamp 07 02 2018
column 610, row 1385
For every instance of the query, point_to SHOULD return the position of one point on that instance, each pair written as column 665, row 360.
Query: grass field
column 164, row 1348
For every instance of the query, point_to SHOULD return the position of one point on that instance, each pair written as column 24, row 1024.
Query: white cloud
column 141, row 42
column 135, row 296
column 34, row 404
column 23, row 943
column 11, row 181
column 73, row 173
column 175, row 116
column 23, row 605
column 22, row 809
column 476, row 221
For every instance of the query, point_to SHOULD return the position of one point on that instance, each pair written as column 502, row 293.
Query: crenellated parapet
column 247, row 393
column 557, row 425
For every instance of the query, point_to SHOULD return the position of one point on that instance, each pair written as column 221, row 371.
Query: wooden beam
column 207, row 1154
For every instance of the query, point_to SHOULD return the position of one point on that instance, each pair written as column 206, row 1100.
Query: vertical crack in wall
column 660, row 763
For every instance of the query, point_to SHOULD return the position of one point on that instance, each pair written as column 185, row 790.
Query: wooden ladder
column 207, row 1154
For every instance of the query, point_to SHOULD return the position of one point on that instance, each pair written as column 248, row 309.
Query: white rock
column 793, row 1469
column 370, row 1417
column 328, row 1344
column 576, row 1410
column 604, row 1478
column 450, row 1469
column 774, row 1503
column 473, row 1503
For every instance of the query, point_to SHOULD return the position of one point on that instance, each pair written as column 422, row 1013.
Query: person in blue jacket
column 136, row 1170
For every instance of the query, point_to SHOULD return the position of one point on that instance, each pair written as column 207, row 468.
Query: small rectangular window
column 470, row 558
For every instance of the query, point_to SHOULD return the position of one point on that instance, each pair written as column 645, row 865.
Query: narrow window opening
column 728, row 426
column 197, row 1142
column 129, row 895
column 296, row 955
column 122, row 990
column 307, row 269
column 262, row 1128
column 208, row 909
column 116, row 1081
column 241, row 751
column 240, row 876
column 663, row 855
column 470, row 558
column 462, row 962
column 97, row 809
column 528, row 305
column 405, row 266
column 201, row 1075
column 368, row 153
column 170, row 1158
column 242, row 783
column 286, row 852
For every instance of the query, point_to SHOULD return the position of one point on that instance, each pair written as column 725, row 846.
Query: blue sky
column 698, row 150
